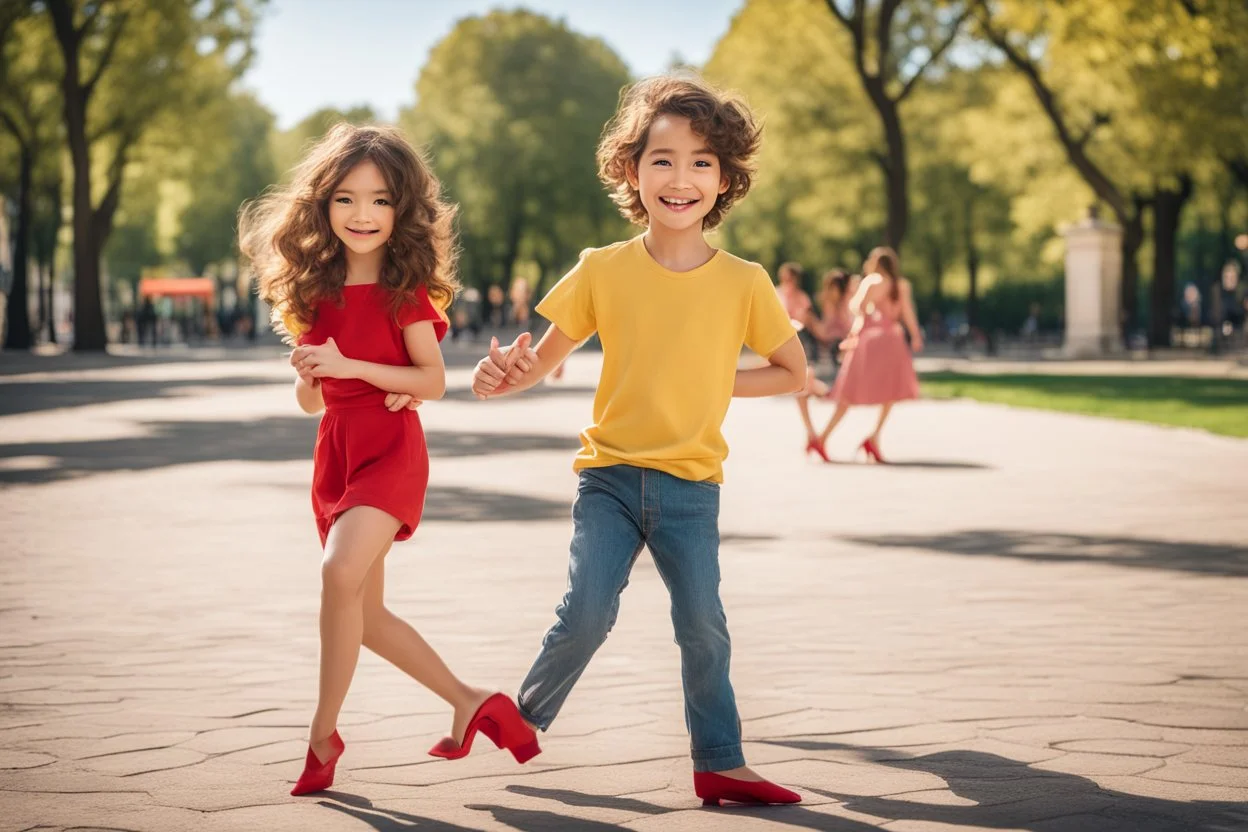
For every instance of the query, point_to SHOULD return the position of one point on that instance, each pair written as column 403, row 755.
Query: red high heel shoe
column 500, row 721
column 318, row 776
column 817, row 446
column 713, row 788
column 871, row 450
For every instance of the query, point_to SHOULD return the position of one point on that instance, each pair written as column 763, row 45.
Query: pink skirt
column 879, row 369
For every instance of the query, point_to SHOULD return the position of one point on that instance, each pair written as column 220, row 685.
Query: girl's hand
column 305, row 375
column 398, row 401
column 324, row 361
column 916, row 343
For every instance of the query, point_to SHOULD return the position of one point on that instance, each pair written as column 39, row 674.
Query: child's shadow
column 385, row 820
column 531, row 821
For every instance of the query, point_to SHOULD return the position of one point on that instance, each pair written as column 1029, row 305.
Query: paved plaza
column 1033, row 621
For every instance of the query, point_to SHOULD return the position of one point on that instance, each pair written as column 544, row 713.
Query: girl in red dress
column 356, row 258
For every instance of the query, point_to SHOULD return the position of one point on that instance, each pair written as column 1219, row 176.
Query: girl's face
column 361, row 209
column 678, row 176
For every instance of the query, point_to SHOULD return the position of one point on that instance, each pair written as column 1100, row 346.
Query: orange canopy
column 172, row 287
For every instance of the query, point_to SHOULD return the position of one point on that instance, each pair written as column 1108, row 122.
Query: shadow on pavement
column 21, row 397
column 38, row 396
column 1012, row 795
column 720, row 818
column 272, row 439
column 1223, row 559
column 385, row 820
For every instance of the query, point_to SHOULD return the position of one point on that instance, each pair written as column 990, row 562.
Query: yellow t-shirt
column 670, row 345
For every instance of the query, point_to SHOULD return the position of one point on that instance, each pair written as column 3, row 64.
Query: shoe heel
column 526, row 751
column 711, row 801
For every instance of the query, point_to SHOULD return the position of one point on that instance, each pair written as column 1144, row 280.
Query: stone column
column 1093, row 287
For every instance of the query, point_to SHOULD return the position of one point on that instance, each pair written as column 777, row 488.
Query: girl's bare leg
column 803, row 405
column 841, row 410
column 879, row 426
column 355, row 542
column 397, row 642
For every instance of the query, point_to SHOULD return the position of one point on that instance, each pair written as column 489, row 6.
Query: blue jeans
column 618, row 510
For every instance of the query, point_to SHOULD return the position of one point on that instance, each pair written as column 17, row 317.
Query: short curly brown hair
column 723, row 120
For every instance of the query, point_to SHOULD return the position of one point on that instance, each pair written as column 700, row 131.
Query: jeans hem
column 718, row 759
column 532, row 720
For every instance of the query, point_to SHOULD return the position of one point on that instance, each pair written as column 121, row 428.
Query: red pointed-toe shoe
column 872, row 451
column 500, row 721
column 318, row 775
column 713, row 788
column 816, row 446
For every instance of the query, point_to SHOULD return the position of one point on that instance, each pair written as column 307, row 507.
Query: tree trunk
column 512, row 251
column 896, row 175
column 972, row 267
column 1132, row 239
column 938, row 277
column 17, row 330
column 89, row 332
column 1167, row 214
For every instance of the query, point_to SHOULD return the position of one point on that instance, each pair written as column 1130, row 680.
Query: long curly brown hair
column 883, row 260
column 297, row 259
column 725, row 122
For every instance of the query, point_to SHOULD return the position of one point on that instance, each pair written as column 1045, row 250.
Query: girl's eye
column 662, row 162
column 703, row 163
column 382, row 202
column 343, row 200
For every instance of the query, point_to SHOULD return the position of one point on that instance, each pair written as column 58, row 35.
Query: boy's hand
column 323, row 361
column 503, row 367
column 398, row 401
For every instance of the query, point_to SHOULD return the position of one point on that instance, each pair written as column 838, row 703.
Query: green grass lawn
column 1215, row 405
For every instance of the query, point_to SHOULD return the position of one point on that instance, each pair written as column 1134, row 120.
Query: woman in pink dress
column 878, row 368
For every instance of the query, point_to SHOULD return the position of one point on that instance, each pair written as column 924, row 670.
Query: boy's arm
column 785, row 373
column 500, row 374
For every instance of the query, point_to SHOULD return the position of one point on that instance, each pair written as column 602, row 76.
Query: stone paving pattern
column 1035, row 621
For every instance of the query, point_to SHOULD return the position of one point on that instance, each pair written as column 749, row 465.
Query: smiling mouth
column 364, row 233
column 678, row 203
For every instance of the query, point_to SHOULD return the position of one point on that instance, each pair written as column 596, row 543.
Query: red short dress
column 365, row 455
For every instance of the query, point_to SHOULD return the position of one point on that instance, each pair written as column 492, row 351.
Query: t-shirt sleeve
column 768, row 327
column 570, row 304
column 423, row 309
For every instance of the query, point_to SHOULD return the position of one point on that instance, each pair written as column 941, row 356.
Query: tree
column 288, row 145
column 232, row 163
column 126, row 63
column 511, row 106
column 1129, row 90
column 816, row 196
column 28, row 112
column 894, row 44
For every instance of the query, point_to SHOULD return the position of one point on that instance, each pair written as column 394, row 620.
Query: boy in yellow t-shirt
column 672, row 314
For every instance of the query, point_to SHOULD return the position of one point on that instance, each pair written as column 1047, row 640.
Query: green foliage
column 288, row 146
column 234, row 166
column 510, row 106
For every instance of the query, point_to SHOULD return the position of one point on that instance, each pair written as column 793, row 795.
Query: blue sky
column 317, row 53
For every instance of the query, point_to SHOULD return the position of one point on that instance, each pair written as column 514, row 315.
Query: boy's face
column 677, row 176
column 361, row 210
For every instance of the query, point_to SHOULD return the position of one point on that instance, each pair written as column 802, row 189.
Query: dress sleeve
column 768, row 327
column 570, row 305
column 423, row 309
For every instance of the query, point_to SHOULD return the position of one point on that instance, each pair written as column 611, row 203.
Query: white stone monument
column 1093, row 287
